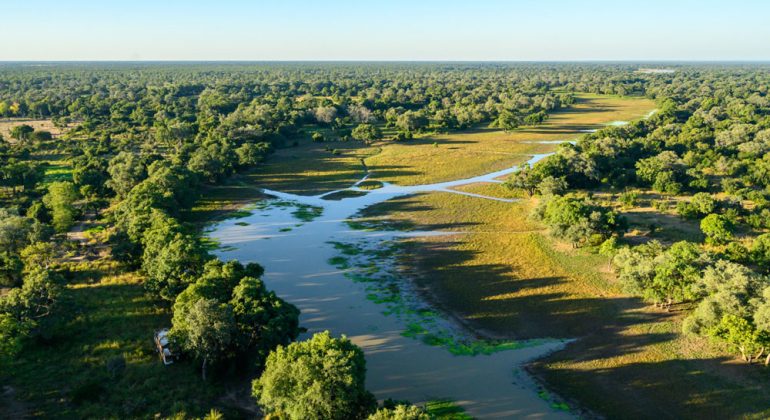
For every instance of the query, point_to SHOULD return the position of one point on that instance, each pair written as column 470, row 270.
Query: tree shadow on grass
column 497, row 299
column 572, row 130
column 379, row 216
column 664, row 389
column 316, row 180
column 93, row 325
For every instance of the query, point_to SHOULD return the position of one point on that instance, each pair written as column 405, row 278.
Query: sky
column 444, row 30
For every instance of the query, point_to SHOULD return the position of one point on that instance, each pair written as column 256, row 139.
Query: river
column 296, row 255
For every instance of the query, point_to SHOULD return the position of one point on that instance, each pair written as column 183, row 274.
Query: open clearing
column 6, row 125
column 445, row 157
column 312, row 168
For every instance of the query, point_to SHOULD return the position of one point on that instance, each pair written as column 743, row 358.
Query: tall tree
column 205, row 330
column 320, row 378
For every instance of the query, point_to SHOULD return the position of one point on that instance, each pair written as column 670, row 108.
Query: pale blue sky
column 384, row 30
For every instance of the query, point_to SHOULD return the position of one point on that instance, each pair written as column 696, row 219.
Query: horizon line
column 203, row 60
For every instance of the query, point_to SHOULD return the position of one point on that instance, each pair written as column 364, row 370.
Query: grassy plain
column 506, row 277
column 644, row 367
column 314, row 168
column 500, row 271
column 445, row 157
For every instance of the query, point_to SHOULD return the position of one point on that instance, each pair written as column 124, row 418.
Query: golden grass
column 445, row 157
column 45, row 125
column 646, row 368
column 310, row 169
column 499, row 272
column 507, row 278
column 669, row 226
column 314, row 168
column 490, row 189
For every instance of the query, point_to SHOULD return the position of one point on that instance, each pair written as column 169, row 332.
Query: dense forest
column 133, row 146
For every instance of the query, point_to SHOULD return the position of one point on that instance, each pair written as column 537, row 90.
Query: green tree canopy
column 60, row 200
column 205, row 329
column 400, row 412
column 320, row 378
column 717, row 228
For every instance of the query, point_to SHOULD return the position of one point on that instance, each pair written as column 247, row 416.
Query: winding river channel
column 296, row 255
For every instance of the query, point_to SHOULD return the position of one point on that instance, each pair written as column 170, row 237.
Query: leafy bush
column 579, row 220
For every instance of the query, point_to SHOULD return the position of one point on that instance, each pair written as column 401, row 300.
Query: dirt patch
column 39, row 125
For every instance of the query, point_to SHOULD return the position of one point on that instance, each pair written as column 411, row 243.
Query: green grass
column 104, row 314
column 57, row 172
column 310, row 169
column 341, row 195
column 370, row 185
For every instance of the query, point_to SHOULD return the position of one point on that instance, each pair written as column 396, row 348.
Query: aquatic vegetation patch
column 303, row 212
column 239, row 214
column 346, row 249
column 553, row 402
column 339, row 262
column 372, row 264
column 446, row 409
column 360, row 225
column 307, row 213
